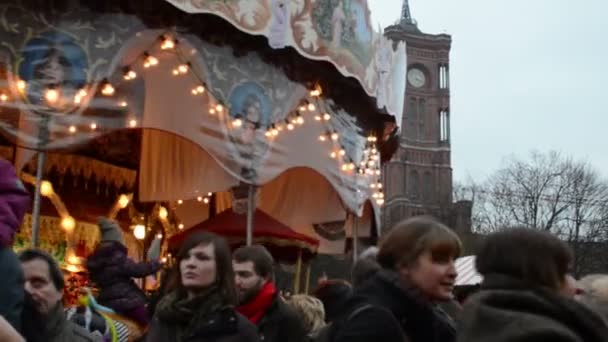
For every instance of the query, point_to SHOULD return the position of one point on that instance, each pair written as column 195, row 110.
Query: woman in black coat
column 526, row 293
column 200, row 302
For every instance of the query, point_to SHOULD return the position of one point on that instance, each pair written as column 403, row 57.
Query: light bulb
column 123, row 103
column 326, row 117
column 68, row 223
column 72, row 129
column 274, row 132
column 318, row 118
column 3, row 97
column 162, row 213
column 123, row 201
column 175, row 72
column 107, row 89
column 237, row 123
column 93, row 126
column 21, row 85
column 182, row 68
column 380, row 201
column 311, row 107
column 334, row 136
column 209, row 194
column 149, row 60
column 180, row 202
column 139, row 232
column 219, row 108
column 167, row 43
column 302, row 108
column 333, row 155
column 159, row 236
column 51, row 95
column 133, row 123
column 180, row 226
column 372, row 186
column 322, row 137
column 206, row 200
column 351, row 166
column 129, row 74
column 200, row 89
column 212, row 111
column 46, row 188
column 344, row 167
column 268, row 133
column 342, row 152
column 82, row 93
column 299, row 120
column 200, row 198
column 290, row 126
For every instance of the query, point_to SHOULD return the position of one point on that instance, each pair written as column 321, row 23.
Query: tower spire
column 406, row 15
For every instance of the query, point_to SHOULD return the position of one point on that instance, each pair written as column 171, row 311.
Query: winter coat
column 11, row 288
column 281, row 324
column 389, row 313
column 204, row 319
column 111, row 270
column 53, row 327
column 14, row 201
column 507, row 310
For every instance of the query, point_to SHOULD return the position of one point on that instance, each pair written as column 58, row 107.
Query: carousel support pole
column 307, row 288
column 37, row 200
column 297, row 280
column 355, row 233
column 250, row 213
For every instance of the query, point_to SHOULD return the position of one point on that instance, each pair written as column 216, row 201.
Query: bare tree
column 548, row 192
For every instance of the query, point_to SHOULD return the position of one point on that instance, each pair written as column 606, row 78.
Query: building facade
column 418, row 180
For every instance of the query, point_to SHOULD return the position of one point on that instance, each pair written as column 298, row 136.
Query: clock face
column 416, row 77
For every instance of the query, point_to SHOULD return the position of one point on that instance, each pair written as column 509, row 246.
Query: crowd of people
column 401, row 290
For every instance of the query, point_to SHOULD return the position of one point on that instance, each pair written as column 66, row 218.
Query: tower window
column 414, row 184
column 428, row 186
column 444, row 76
column 444, row 125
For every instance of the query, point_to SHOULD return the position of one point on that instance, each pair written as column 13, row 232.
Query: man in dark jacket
column 44, row 285
column 259, row 299
column 14, row 201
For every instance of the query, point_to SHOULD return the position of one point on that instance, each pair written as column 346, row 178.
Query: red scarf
column 255, row 309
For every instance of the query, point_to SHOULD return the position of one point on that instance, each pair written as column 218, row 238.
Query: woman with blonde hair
column 311, row 312
column 399, row 302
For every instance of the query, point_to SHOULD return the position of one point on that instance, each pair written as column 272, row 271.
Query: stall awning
column 266, row 231
column 467, row 273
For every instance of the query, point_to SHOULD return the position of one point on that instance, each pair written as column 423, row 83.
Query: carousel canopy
column 279, row 238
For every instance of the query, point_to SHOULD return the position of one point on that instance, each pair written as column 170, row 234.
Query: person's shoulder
column 83, row 335
column 246, row 330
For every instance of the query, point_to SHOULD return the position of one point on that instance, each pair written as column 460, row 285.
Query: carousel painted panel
column 338, row 31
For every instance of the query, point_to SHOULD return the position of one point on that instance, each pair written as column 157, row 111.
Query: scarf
column 185, row 314
column 255, row 309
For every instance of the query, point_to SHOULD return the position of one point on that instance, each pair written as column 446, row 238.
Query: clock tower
column 418, row 180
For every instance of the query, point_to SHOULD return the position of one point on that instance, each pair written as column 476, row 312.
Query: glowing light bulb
column 93, row 126
column 333, row 155
column 344, row 167
column 299, row 120
column 209, row 194
column 72, row 129
column 237, row 123
column 167, row 43
column 342, row 152
column 326, row 117
column 21, row 85
column 46, row 188
column 380, row 201
column 200, row 198
column 182, row 68
column 206, row 200
column 212, row 111
column 334, row 136
column 175, row 72
column 162, row 213
column 133, row 123
column 107, row 89
column 200, row 89
column 123, row 201
column 149, row 60
column 123, row 103
column 322, row 137
column 68, row 223
column 129, row 74
column 219, row 108
column 290, row 126
column 302, row 108
column 3, row 97
column 51, row 95
column 318, row 118
column 180, row 226
column 311, row 107
column 274, row 132
column 180, row 202
column 159, row 236
column 139, row 232
column 268, row 133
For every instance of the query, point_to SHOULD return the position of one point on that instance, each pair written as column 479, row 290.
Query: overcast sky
column 525, row 74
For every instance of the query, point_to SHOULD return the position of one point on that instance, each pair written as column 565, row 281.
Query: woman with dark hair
column 201, row 297
column 526, row 293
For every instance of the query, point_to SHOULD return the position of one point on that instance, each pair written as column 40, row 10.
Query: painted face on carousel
column 198, row 268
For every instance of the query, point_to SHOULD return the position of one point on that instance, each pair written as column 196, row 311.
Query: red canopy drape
column 283, row 242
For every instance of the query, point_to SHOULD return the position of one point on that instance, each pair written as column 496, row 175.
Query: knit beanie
column 14, row 201
column 109, row 230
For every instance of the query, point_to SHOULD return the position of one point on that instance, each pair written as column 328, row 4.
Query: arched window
column 428, row 186
column 414, row 184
